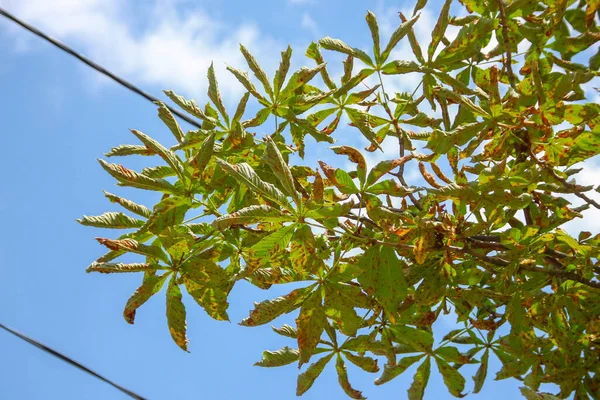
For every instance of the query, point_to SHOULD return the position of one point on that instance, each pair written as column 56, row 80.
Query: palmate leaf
column 386, row 282
column 454, row 381
column 167, row 213
column 356, row 157
column 340, row 367
column 311, row 323
column 151, row 285
column 281, row 169
column 169, row 120
column 170, row 158
column 176, row 314
column 189, row 106
column 208, row 284
column 365, row 363
column 214, row 95
column 282, row 71
column 251, row 215
column 392, row 371
column 273, row 243
column 420, row 380
column 257, row 70
column 246, row 175
column 341, row 47
column 481, row 373
column 439, row 30
column 111, row 268
column 128, row 177
column 307, row 378
column 268, row 310
column 128, row 150
column 244, row 79
column 384, row 167
column 374, row 28
column 278, row 358
column 113, row 220
column 397, row 35
column 128, row 205
column 133, row 246
column 299, row 79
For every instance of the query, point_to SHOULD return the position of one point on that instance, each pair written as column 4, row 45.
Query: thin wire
column 95, row 66
column 70, row 361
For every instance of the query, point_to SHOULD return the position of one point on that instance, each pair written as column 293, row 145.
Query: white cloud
column 310, row 24
column 173, row 52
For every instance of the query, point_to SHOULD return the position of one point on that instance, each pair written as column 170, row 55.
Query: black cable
column 92, row 64
column 70, row 361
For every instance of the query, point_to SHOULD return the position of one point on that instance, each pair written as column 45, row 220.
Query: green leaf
column 390, row 187
column 533, row 395
column 481, row 373
column 454, row 381
column 356, row 157
column 167, row 213
column 128, row 150
column 282, row 71
column 244, row 79
column 299, row 79
column 374, row 28
column 208, row 284
column 166, row 154
column 365, row 363
column 169, row 120
column 340, row 367
column 363, row 122
column 287, row 331
column 397, row 35
column 384, row 167
column 311, row 323
column 303, row 249
column 420, row 380
column 307, row 378
column 392, row 371
column 268, row 310
column 313, row 52
column 128, row 177
column 257, row 70
column 281, row 169
column 111, row 268
column 386, row 281
column 151, row 285
column 203, row 156
column 241, row 108
column 414, row 337
column 439, row 30
column 398, row 67
column 133, row 246
column 189, row 106
column 341, row 47
column 113, row 220
column 128, row 205
column 246, row 175
column 273, row 243
column 176, row 314
column 214, row 95
column 249, row 216
column 278, row 358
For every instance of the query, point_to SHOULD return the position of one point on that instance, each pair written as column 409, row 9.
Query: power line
column 70, row 361
column 92, row 64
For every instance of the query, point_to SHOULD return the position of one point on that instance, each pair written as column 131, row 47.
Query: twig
column 508, row 63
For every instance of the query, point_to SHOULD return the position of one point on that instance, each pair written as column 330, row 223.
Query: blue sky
column 59, row 116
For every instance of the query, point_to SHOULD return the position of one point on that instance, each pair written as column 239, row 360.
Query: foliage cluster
column 378, row 258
